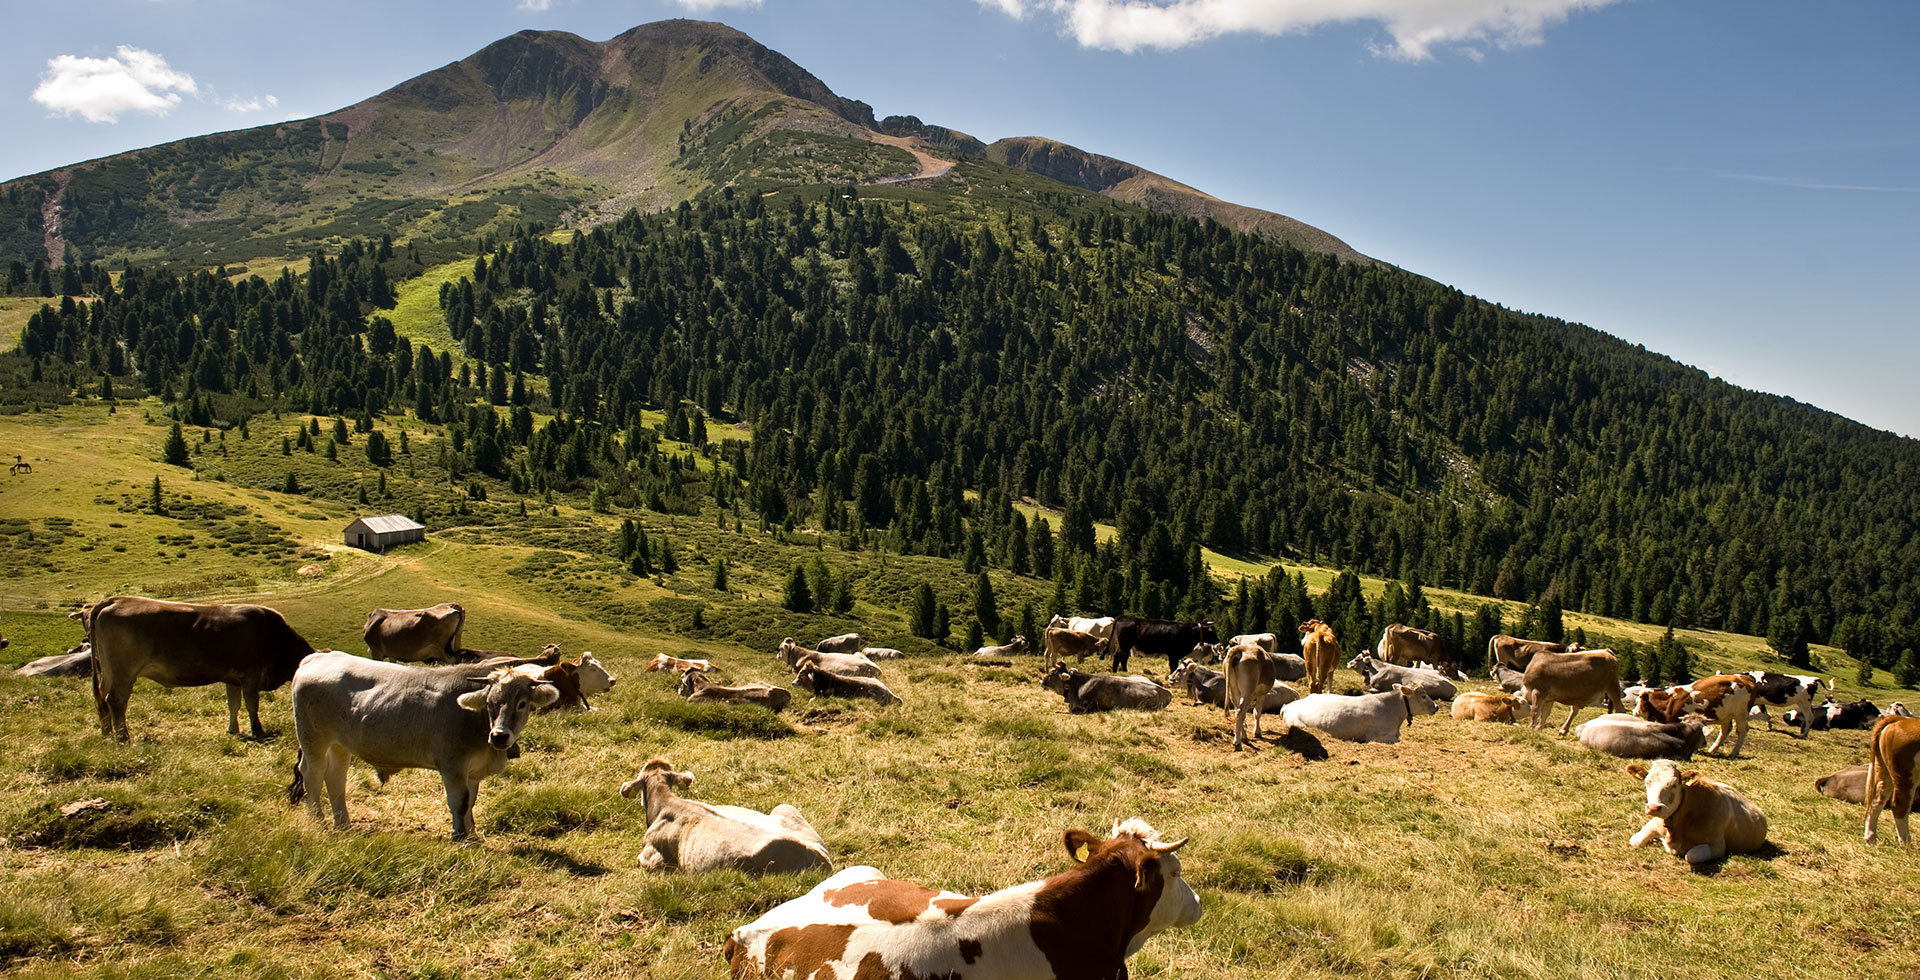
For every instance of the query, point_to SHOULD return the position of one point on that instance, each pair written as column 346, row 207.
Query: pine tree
column 175, row 451
column 1863, row 674
column 976, row 638
column 1677, row 658
column 1906, row 672
column 921, row 617
column 377, row 451
column 154, row 503
column 291, row 485
column 986, row 609
column 1788, row 636
column 798, row 596
column 942, row 623
column 339, row 430
column 720, row 573
column 841, row 601
column 668, row 563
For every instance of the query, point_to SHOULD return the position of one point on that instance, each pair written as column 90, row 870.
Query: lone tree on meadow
column 175, row 451
column 799, row 595
column 922, row 619
column 1790, row 636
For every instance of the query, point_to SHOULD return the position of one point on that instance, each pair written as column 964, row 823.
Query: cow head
column 509, row 699
column 656, row 783
column 1058, row 622
column 1665, row 785
column 1207, row 634
column 1161, row 898
column 1180, row 674
column 807, row 677
column 1364, row 664
column 595, row 678
column 789, row 650
column 1418, row 702
column 1018, row 643
column 690, row 680
column 1055, row 680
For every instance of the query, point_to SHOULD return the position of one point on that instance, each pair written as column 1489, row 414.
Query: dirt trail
column 930, row 165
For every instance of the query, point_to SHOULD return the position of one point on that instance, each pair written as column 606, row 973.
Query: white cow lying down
column 698, row 836
column 1362, row 718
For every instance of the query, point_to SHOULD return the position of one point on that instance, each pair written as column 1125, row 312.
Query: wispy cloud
column 234, row 103
column 1811, row 184
column 535, row 5
column 1416, row 27
column 101, row 89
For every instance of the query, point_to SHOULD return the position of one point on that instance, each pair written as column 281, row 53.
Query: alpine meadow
column 676, row 355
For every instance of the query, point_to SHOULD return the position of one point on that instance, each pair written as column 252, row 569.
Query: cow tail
column 297, row 790
column 1877, row 766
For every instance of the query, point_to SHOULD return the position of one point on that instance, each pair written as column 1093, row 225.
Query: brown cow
column 585, row 675
column 1250, row 675
column 1572, row 679
column 414, row 635
column 1322, row 652
column 1723, row 699
column 1062, row 643
column 1849, row 785
column 1480, row 706
column 1402, row 645
column 1890, row 753
column 1515, row 652
column 694, row 686
column 1697, row 819
column 179, row 644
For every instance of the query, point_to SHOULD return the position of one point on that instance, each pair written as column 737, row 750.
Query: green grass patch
column 291, row 869
column 549, row 810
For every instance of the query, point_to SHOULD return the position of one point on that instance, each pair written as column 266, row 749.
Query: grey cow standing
column 461, row 721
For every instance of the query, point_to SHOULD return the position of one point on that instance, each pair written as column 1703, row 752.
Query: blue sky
column 1735, row 183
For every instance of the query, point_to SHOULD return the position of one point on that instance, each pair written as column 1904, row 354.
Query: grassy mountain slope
column 533, row 128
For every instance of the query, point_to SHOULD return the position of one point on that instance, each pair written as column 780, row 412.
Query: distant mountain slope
column 533, row 127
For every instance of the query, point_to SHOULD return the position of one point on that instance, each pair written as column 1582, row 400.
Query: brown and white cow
column 695, row 686
column 585, row 675
column 1100, row 626
column 1403, row 645
column 1322, row 652
column 179, row 644
column 1890, row 753
column 413, row 635
column 1082, row 922
column 662, row 661
column 1062, row 643
column 689, row 835
column 1722, row 699
column 1696, row 818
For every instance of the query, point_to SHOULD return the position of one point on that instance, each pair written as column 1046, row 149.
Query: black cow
column 1835, row 715
column 1157, row 636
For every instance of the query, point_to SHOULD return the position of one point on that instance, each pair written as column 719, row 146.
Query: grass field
column 1466, row 850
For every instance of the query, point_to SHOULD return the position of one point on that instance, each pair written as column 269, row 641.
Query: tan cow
column 844, row 664
column 692, row 836
column 662, row 661
column 1512, row 651
column 180, row 644
column 1480, row 706
column 1890, row 753
column 1250, row 675
column 1403, row 645
column 1062, row 643
column 1322, row 651
column 1697, row 819
column 694, row 686
column 413, row 635
column 1572, row 679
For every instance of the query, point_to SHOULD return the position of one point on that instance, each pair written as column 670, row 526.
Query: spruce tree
column 921, row 618
column 976, row 638
column 986, row 609
column 720, row 573
column 175, row 451
column 1906, row 673
column 668, row 563
column 154, row 503
column 798, row 596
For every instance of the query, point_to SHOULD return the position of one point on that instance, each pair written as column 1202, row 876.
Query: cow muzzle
column 1655, row 810
column 500, row 738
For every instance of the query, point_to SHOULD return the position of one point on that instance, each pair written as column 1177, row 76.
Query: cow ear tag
column 1080, row 853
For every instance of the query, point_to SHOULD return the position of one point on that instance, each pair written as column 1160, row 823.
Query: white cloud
column 536, row 5
column 701, row 5
column 234, row 103
column 100, row 89
column 1416, row 27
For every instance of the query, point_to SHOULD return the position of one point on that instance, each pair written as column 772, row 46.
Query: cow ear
column 544, row 695
column 1080, row 845
column 1690, row 776
column 681, row 778
column 473, row 701
column 1637, row 769
column 628, row 788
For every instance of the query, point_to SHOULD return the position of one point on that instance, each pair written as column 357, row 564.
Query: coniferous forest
column 908, row 371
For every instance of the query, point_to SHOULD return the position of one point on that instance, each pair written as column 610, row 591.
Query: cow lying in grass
column 1696, row 818
column 826, row 684
column 845, row 664
column 585, row 675
column 661, row 661
column 1500, row 708
column 1383, row 676
column 1209, row 687
column 1086, row 692
column 1363, row 718
column 695, row 686
column 1628, row 737
column 693, row 836
column 1082, row 922
column 1849, row 785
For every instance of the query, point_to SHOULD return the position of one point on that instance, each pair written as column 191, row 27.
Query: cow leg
column 1902, row 803
column 459, row 803
column 1647, row 832
column 118, row 692
column 233, row 710
column 252, row 696
column 1706, row 851
column 1240, row 726
column 335, row 761
column 1739, row 736
column 1573, row 711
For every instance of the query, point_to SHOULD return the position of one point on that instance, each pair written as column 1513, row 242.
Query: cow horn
column 1159, row 847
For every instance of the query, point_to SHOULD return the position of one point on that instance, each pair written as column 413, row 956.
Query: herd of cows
column 395, row 709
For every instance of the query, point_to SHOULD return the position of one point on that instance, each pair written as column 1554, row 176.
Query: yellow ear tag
column 1080, row 853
